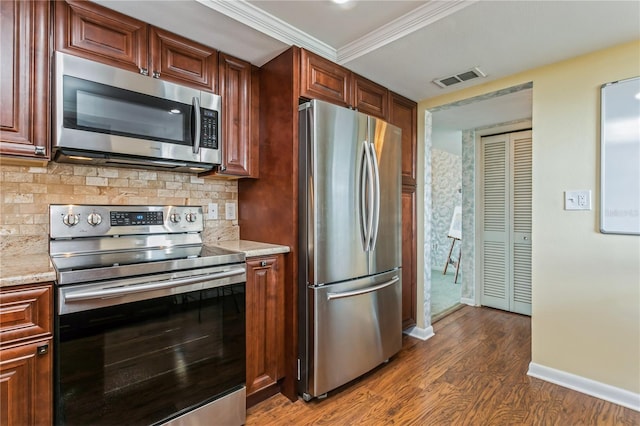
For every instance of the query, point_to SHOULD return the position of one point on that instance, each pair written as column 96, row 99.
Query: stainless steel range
column 150, row 322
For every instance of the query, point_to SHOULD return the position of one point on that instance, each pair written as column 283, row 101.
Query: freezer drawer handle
column 331, row 296
column 123, row 291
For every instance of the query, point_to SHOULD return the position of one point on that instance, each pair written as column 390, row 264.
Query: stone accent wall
column 446, row 185
column 26, row 192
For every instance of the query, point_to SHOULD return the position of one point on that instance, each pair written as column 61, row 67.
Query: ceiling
column 405, row 45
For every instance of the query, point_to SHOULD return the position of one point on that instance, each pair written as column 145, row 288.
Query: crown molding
column 258, row 19
column 412, row 21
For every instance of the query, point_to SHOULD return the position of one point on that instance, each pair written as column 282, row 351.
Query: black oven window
column 149, row 361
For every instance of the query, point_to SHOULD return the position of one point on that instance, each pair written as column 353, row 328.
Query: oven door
column 153, row 359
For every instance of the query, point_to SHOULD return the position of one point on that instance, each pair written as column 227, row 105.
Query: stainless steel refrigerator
column 349, row 246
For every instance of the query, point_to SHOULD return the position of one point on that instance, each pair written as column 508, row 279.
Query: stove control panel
column 128, row 218
column 78, row 220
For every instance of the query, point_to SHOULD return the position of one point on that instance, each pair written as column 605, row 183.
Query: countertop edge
column 37, row 268
column 21, row 270
column 253, row 248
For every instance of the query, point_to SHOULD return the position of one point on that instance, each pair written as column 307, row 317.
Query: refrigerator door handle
column 367, row 194
column 376, row 197
column 332, row 296
column 363, row 196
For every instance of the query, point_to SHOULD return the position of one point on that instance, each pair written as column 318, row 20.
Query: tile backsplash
column 26, row 192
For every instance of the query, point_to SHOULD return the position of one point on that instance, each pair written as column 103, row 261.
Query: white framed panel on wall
column 620, row 157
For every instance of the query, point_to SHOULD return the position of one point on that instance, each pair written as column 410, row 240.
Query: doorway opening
column 508, row 109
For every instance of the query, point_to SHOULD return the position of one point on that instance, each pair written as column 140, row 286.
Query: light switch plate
column 213, row 211
column 577, row 200
column 230, row 211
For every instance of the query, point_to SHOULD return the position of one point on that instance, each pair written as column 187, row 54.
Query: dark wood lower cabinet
column 26, row 384
column 26, row 360
column 409, row 296
column 265, row 325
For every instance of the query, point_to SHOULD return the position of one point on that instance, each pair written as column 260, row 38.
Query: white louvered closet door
column 506, row 222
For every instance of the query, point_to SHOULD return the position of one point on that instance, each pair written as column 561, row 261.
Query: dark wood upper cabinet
column 403, row 113
column 24, row 86
column 323, row 79
column 239, row 89
column 180, row 60
column 100, row 34
column 97, row 33
column 370, row 98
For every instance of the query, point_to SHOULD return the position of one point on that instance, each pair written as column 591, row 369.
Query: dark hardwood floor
column 472, row 372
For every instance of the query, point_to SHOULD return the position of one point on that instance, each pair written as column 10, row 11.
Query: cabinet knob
column 42, row 349
column 39, row 150
column 144, row 71
column 263, row 263
column 156, row 74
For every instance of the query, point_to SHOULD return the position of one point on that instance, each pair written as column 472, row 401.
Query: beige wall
column 586, row 285
column 26, row 192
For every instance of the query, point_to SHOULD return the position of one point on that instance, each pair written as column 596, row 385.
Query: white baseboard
column 587, row 386
column 468, row 301
column 420, row 333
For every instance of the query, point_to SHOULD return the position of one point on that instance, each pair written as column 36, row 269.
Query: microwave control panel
column 209, row 128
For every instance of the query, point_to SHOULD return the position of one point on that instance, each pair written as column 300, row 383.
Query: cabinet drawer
column 25, row 313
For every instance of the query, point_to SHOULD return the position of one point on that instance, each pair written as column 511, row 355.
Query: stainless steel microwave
column 108, row 116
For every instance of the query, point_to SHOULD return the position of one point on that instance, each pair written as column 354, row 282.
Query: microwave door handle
column 196, row 131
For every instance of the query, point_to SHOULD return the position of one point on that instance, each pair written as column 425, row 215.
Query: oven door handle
column 125, row 290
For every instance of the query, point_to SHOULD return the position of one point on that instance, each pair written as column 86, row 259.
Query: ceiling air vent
column 460, row 77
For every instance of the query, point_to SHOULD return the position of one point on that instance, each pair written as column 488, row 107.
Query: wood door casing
column 24, row 87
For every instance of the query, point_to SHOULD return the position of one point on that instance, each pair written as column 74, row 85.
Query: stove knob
column 191, row 217
column 174, row 218
column 94, row 219
column 71, row 219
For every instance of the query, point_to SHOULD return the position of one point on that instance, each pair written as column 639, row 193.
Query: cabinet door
column 180, row 60
column 24, row 86
column 403, row 113
column 26, row 384
column 370, row 97
column 325, row 80
column 239, row 116
column 25, row 313
column 100, row 34
column 265, row 322
column 409, row 296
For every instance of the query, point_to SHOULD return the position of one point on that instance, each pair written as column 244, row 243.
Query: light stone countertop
column 25, row 269
column 37, row 268
column 253, row 248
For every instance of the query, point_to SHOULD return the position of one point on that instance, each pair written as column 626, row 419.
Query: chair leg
column 446, row 264
column 455, row 280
